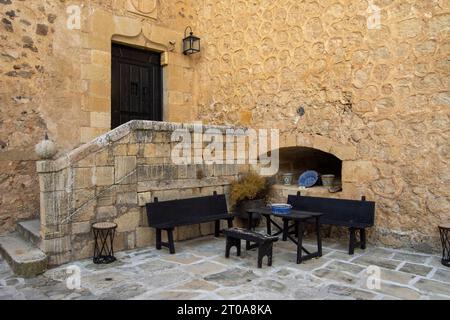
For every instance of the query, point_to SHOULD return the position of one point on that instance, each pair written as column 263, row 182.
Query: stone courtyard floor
column 200, row 271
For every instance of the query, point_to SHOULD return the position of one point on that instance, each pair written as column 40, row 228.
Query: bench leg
column 232, row 242
column 171, row 242
column 217, row 229
column 362, row 233
column 269, row 263
column 265, row 249
column 351, row 248
column 228, row 247
column 260, row 256
column 158, row 239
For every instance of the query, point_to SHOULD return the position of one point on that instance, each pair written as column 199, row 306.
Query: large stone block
column 100, row 119
column 83, row 178
column 128, row 221
column 82, row 197
column 104, row 158
column 344, row 152
column 120, row 150
column 106, row 213
column 126, row 198
column 104, row 176
column 86, row 213
column 144, row 237
column 53, row 207
column 84, row 250
column 144, row 198
column 359, row 171
column 207, row 229
column 188, row 232
column 57, row 259
column 125, row 167
column 55, row 181
column 106, row 197
column 322, row 143
column 57, row 245
column 81, row 227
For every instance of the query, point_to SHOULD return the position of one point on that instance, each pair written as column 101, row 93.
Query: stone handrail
column 116, row 134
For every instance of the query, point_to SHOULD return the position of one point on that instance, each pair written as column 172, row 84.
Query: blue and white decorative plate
column 308, row 179
column 281, row 208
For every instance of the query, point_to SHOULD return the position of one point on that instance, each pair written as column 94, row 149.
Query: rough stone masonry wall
column 111, row 179
column 58, row 80
column 386, row 92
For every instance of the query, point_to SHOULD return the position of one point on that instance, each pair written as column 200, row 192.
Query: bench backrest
column 337, row 211
column 186, row 210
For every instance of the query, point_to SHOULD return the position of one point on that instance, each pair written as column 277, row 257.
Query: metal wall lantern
column 191, row 43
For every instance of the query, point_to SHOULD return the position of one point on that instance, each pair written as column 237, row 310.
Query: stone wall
column 384, row 91
column 111, row 179
column 57, row 79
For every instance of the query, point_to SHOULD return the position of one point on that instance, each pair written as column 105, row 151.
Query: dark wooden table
column 299, row 218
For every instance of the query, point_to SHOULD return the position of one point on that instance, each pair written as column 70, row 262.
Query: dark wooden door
column 136, row 85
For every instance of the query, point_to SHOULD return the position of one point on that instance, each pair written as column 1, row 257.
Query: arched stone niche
column 356, row 174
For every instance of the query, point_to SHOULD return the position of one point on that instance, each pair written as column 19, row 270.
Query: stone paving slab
column 199, row 270
column 418, row 269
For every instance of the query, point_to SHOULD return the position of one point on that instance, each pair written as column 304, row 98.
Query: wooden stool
column 264, row 243
column 104, row 233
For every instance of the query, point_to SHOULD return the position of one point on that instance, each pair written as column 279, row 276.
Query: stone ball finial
column 46, row 149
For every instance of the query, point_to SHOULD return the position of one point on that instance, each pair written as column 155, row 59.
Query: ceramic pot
column 328, row 180
column 287, row 178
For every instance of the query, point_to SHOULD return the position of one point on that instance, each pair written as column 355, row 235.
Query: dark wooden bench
column 263, row 242
column 166, row 215
column 353, row 214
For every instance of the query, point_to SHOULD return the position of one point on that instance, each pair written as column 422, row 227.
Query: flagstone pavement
column 199, row 271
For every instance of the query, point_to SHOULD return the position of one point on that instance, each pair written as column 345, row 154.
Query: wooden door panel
column 136, row 85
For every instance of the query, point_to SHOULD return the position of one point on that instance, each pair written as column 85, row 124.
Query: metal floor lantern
column 444, row 230
column 191, row 43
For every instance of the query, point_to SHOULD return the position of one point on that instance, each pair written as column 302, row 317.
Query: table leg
column 285, row 229
column 319, row 237
column 269, row 225
column 362, row 234
column 250, row 221
column 299, row 241
column 248, row 245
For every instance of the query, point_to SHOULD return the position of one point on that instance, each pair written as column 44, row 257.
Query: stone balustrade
column 112, row 178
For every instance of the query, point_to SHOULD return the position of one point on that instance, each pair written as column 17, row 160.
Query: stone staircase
column 21, row 249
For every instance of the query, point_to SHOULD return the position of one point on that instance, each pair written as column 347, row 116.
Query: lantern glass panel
column 191, row 44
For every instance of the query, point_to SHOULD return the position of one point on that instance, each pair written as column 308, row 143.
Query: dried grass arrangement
column 250, row 187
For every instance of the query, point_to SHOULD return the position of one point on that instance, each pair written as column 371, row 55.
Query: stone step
column 25, row 259
column 30, row 230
